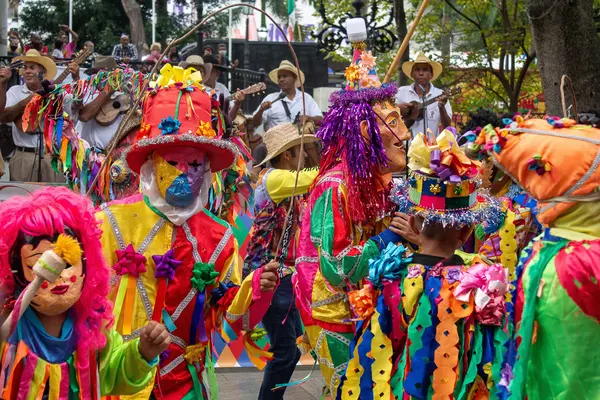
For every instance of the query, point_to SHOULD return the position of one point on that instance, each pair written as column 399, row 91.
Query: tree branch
column 498, row 95
column 523, row 72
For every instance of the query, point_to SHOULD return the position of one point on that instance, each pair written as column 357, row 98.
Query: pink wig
column 47, row 213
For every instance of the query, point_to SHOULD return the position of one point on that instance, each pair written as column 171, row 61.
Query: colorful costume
column 362, row 138
column 553, row 354
column 88, row 358
column 431, row 327
column 502, row 243
column 174, row 261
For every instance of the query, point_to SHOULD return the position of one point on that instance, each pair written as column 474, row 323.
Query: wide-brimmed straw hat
column 287, row 66
column 35, row 57
column 107, row 63
column 196, row 62
column 436, row 67
column 283, row 137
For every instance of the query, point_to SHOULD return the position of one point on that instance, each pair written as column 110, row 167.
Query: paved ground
column 244, row 384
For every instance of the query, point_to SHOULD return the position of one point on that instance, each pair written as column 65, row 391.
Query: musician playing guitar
column 103, row 111
column 438, row 113
column 28, row 162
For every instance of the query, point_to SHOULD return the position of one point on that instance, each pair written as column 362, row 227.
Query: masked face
column 58, row 297
column 180, row 174
column 393, row 134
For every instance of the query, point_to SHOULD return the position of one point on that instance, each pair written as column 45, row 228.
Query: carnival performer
column 30, row 162
column 174, row 262
column 102, row 110
column 556, row 316
column 430, row 326
column 64, row 345
column 501, row 244
column 344, row 224
column 273, row 197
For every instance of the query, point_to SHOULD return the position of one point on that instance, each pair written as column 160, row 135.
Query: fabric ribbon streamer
column 129, row 266
column 203, row 275
column 170, row 75
column 165, row 270
column 442, row 158
column 389, row 265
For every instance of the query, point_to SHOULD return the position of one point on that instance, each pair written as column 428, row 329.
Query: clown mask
column 52, row 298
column 179, row 174
column 393, row 134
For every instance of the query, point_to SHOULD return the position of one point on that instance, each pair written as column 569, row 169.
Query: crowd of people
column 411, row 263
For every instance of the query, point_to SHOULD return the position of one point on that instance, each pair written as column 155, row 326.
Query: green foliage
column 101, row 21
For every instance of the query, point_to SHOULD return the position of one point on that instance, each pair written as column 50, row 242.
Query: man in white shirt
column 438, row 113
column 286, row 106
column 110, row 105
column 29, row 163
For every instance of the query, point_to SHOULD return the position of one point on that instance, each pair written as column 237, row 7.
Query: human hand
column 405, row 109
column 265, row 106
column 5, row 74
column 402, row 225
column 64, row 27
column 239, row 97
column 126, row 60
column 154, row 339
column 268, row 278
column 304, row 119
column 442, row 100
column 74, row 70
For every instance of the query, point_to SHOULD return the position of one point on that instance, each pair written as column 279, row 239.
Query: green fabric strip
column 535, row 272
column 74, row 385
column 500, row 338
column 476, row 353
column 197, row 391
column 177, row 106
column 154, row 209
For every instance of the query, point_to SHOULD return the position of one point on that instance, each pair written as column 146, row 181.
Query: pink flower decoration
column 130, row 262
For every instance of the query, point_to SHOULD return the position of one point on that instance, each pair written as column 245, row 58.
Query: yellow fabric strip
column 129, row 305
column 38, row 380
column 55, row 376
column 381, row 351
column 120, row 297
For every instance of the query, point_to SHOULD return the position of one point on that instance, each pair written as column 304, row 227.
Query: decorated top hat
column 442, row 186
column 554, row 160
column 176, row 112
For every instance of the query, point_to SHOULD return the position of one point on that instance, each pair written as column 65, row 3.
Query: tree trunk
column 567, row 43
column 136, row 23
column 401, row 29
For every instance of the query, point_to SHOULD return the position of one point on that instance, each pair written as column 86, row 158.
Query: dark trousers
column 283, row 340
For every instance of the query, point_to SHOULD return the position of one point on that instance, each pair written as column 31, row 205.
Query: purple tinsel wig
column 361, row 157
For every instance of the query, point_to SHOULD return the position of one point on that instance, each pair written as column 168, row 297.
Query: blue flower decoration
column 169, row 126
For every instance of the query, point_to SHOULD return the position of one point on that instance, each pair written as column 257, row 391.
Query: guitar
column 251, row 90
column 417, row 107
column 79, row 59
column 112, row 108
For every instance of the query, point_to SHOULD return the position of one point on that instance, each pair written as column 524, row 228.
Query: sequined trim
column 144, row 295
column 331, row 179
column 184, row 304
column 306, row 259
column 114, row 280
column 233, row 317
column 115, row 227
column 172, row 365
column 151, row 235
column 333, row 299
column 178, row 341
column 192, row 239
column 220, row 246
column 133, row 335
column 246, row 321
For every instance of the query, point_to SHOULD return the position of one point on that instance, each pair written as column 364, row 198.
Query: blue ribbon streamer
column 389, row 265
column 366, row 380
column 197, row 325
column 59, row 130
column 168, row 321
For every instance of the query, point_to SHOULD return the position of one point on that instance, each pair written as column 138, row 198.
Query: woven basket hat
column 283, row 137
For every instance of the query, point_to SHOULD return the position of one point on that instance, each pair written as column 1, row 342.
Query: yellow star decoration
column 435, row 189
column 352, row 73
column 205, row 129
